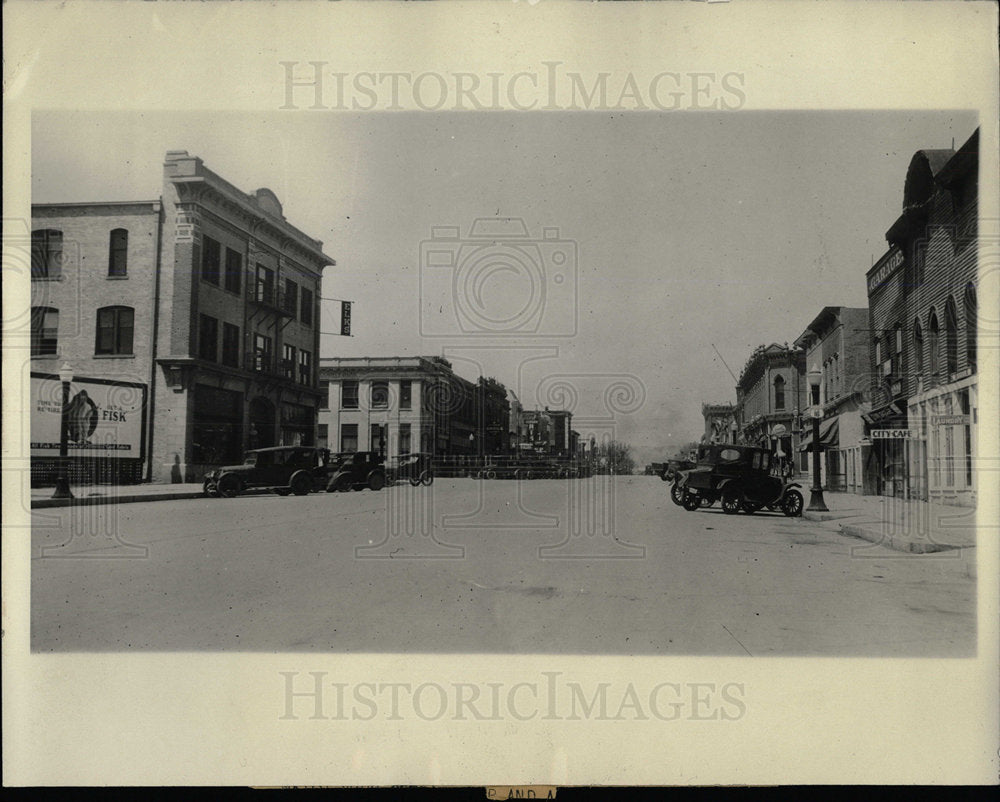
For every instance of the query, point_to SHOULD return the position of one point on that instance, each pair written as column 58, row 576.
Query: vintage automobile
column 356, row 470
column 739, row 476
column 284, row 469
column 672, row 471
column 415, row 468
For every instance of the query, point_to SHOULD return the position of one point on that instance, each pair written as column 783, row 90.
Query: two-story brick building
column 205, row 300
column 770, row 396
column 836, row 343
column 94, row 270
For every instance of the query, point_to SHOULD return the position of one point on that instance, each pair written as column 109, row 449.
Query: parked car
column 356, row 470
column 672, row 470
column 415, row 468
column 284, row 469
column 741, row 477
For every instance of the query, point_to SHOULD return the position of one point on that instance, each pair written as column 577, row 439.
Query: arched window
column 951, row 336
column 44, row 330
column 918, row 346
column 971, row 324
column 118, row 253
column 779, row 392
column 46, row 253
column 114, row 330
column 933, row 344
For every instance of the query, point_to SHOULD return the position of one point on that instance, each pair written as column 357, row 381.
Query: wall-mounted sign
column 345, row 318
column 104, row 418
column 949, row 420
column 893, row 434
column 889, row 264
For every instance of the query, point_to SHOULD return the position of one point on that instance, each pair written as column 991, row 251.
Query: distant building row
column 897, row 381
column 399, row 405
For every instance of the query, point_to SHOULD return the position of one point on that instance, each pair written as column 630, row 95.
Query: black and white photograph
column 434, row 395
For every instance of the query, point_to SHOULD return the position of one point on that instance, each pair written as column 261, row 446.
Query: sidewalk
column 918, row 527
column 83, row 495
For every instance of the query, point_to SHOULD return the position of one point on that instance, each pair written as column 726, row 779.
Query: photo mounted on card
column 396, row 379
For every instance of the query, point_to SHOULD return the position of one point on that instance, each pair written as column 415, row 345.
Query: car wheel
column 301, row 484
column 677, row 494
column 732, row 500
column 427, row 478
column 791, row 504
column 376, row 481
column 229, row 486
column 414, row 480
column 691, row 502
column 707, row 501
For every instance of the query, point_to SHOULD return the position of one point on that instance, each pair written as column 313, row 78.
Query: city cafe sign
column 889, row 264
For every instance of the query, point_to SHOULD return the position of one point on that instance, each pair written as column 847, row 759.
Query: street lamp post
column 816, row 501
column 62, row 479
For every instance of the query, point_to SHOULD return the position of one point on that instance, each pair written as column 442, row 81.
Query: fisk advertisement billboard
column 104, row 418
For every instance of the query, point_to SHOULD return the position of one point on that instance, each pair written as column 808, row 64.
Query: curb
column 88, row 501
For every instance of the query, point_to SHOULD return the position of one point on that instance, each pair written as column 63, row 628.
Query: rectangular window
column 230, row 345
column 211, row 259
column 305, row 367
column 288, row 362
column 208, row 338
column 377, row 441
column 234, row 270
column 44, row 331
column 949, row 456
column 405, row 394
column 348, row 437
column 306, row 313
column 380, row 395
column 46, row 253
column 322, row 433
column 291, row 297
column 264, row 288
column 114, row 330
column 118, row 253
column 349, row 395
column 404, row 438
column 263, row 353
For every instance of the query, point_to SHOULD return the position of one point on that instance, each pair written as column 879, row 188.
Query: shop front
column 891, row 443
column 217, row 426
column 942, row 456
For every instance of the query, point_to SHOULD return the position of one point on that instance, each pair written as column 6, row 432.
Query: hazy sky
column 690, row 229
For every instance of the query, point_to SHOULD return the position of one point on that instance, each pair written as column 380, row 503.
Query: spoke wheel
column 376, row 481
column 691, row 502
column 677, row 494
column 732, row 500
column 791, row 505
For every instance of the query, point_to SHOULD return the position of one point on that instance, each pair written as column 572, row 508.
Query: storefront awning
column 829, row 435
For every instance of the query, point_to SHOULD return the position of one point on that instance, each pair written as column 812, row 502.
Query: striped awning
column 829, row 435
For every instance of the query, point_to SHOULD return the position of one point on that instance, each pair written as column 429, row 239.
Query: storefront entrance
column 263, row 431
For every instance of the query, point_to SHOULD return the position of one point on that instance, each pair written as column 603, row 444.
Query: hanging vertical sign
column 345, row 318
